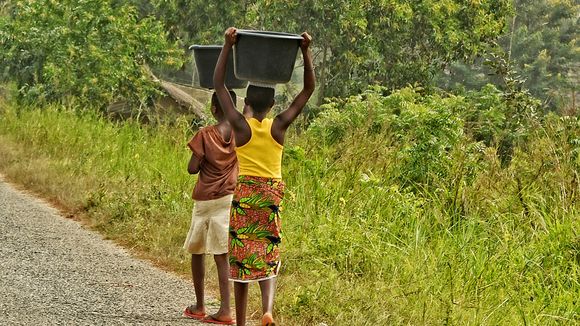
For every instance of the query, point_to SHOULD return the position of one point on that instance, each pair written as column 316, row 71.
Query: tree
column 358, row 42
column 196, row 21
column 541, row 46
column 389, row 42
column 90, row 50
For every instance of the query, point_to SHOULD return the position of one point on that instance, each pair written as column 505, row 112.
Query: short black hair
column 260, row 98
column 215, row 102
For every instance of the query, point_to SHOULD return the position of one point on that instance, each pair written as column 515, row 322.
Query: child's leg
column 223, row 269
column 241, row 296
column 268, row 289
column 198, row 275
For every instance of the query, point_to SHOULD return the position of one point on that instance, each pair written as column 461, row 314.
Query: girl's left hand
column 306, row 40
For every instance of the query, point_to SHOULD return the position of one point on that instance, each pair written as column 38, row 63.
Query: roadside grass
column 105, row 171
column 374, row 254
column 491, row 245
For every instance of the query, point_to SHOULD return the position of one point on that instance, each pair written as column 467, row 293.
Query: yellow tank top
column 261, row 156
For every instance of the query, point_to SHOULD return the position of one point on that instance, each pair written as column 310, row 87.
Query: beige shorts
column 209, row 229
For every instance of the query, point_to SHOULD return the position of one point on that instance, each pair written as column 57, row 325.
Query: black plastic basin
column 206, row 57
column 266, row 57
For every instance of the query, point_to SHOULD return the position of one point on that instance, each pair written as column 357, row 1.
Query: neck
column 259, row 116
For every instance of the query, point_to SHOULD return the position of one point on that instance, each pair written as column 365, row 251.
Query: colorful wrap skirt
column 255, row 230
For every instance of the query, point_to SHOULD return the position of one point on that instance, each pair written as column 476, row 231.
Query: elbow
column 309, row 85
column 309, row 88
column 192, row 170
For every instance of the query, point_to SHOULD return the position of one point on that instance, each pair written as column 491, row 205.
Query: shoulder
column 200, row 131
column 208, row 131
column 202, row 134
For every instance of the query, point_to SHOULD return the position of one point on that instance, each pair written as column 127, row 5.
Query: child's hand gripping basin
column 206, row 57
column 266, row 57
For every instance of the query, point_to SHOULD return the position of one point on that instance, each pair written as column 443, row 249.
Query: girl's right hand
column 231, row 36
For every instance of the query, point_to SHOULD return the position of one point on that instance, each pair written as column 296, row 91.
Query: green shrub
column 422, row 131
column 94, row 51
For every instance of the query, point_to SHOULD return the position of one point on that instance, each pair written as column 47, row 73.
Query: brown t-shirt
column 219, row 165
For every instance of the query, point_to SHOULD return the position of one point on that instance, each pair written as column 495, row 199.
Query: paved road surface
column 55, row 272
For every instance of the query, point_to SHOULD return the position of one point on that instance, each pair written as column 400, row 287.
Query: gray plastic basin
column 206, row 57
column 267, row 57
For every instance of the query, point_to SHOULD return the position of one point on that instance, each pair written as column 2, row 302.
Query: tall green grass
column 399, row 217
column 394, row 213
column 129, row 179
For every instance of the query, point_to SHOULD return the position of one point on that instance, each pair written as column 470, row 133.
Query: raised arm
column 286, row 117
column 235, row 118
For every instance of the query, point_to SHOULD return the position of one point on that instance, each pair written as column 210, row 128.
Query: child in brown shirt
column 214, row 158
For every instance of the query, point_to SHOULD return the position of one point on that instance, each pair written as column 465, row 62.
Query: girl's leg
column 198, row 275
column 241, row 296
column 268, row 289
column 223, row 269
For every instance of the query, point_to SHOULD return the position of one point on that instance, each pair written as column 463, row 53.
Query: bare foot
column 222, row 316
column 268, row 320
column 194, row 312
column 217, row 319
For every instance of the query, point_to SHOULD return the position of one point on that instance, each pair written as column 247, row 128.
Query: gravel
column 53, row 271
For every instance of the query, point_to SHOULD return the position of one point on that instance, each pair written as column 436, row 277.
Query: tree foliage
column 544, row 47
column 91, row 50
column 198, row 21
column 540, row 46
column 358, row 42
column 394, row 43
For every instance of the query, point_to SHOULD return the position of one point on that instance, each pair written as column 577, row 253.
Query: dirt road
column 55, row 272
